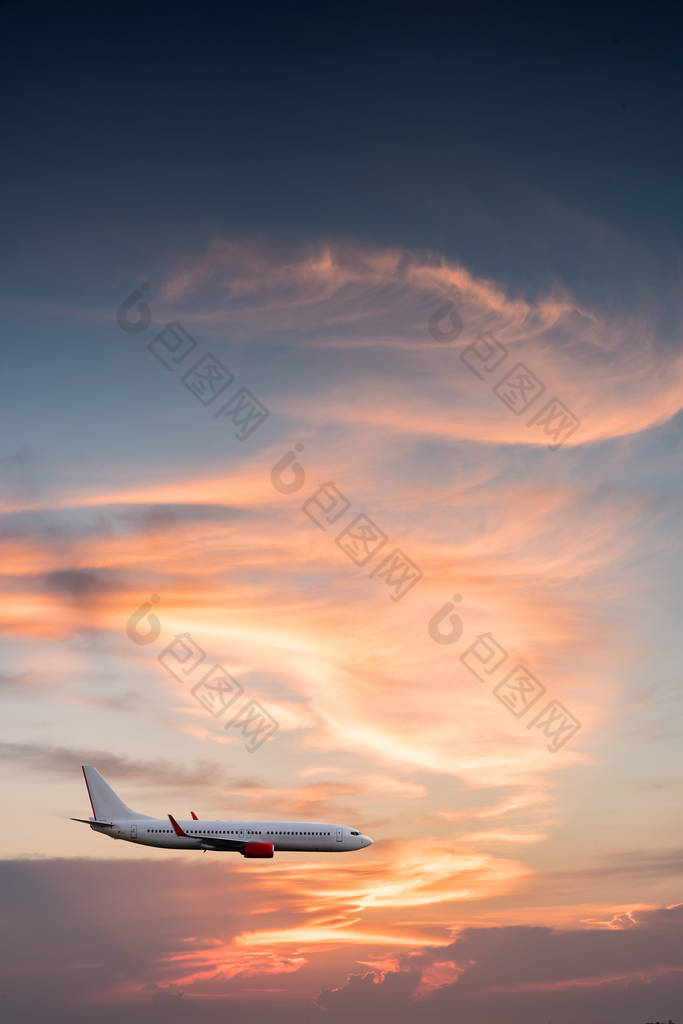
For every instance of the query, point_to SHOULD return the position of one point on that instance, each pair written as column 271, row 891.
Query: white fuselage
column 313, row 836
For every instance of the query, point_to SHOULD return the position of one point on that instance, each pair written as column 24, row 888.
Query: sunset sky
column 436, row 257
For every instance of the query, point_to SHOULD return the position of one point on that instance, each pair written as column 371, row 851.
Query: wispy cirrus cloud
column 613, row 372
column 461, row 797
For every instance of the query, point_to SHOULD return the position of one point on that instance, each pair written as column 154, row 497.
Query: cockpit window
column 355, row 833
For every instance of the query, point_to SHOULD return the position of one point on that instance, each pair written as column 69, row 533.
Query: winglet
column 176, row 827
column 194, row 816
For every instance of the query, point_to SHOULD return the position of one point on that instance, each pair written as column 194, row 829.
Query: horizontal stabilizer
column 91, row 821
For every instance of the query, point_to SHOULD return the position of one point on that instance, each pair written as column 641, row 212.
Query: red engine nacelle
column 258, row 850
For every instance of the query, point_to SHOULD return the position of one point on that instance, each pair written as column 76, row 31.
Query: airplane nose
column 367, row 841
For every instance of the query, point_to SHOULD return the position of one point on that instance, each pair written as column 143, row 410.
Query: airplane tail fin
column 106, row 805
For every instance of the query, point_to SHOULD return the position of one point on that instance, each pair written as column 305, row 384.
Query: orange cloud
column 609, row 371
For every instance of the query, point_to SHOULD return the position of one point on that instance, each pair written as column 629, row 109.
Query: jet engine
column 258, row 850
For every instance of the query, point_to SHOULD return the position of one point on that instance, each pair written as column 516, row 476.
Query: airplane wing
column 209, row 842
column 215, row 843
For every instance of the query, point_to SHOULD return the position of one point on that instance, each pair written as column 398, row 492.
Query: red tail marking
column 194, row 816
column 176, row 827
column 88, row 788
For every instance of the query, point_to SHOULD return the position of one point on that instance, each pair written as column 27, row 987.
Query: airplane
column 111, row 817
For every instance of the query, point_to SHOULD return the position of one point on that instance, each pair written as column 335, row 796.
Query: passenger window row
column 249, row 832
